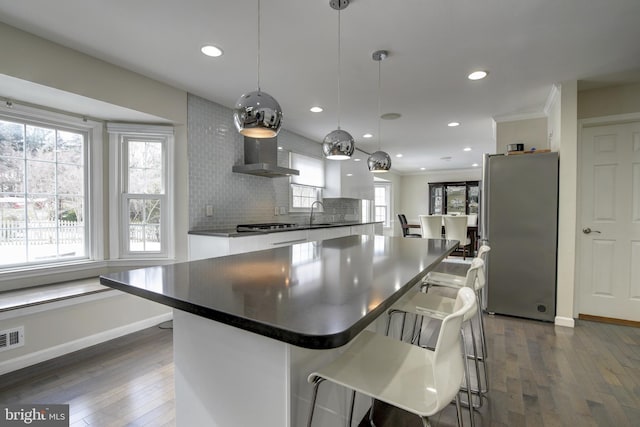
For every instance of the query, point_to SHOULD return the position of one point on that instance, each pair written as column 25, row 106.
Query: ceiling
column 525, row 45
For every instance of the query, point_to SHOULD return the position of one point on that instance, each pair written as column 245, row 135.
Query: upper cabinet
column 348, row 178
column 454, row 198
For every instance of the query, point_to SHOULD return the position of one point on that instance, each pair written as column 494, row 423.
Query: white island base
column 229, row 377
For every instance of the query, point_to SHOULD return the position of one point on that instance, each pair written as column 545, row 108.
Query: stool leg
column 468, row 377
column 316, row 383
column 353, row 399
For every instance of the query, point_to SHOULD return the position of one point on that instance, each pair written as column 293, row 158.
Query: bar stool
column 438, row 306
column 456, row 282
column 407, row 376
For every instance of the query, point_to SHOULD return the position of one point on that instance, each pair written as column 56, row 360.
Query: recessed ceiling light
column 349, row 174
column 316, row 109
column 466, row 149
column 453, row 124
column 211, row 50
column 477, row 75
column 367, row 135
column 390, row 116
column 356, row 160
column 398, row 155
column 475, row 165
column 423, row 169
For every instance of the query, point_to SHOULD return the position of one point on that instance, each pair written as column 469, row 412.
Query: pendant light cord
column 379, row 102
column 258, row 55
column 339, row 70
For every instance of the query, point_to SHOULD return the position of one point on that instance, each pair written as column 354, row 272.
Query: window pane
column 145, row 167
column 36, row 224
column 144, row 225
column 71, row 209
column 70, row 148
column 70, row 179
column 41, row 177
column 11, row 175
column 11, row 139
column 40, row 143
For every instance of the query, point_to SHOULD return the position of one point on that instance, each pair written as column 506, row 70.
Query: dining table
column 249, row 328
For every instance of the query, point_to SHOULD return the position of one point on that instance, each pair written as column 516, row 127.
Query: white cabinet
column 205, row 246
column 363, row 229
column 327, row 233
column 348, row 178
column 201, row 246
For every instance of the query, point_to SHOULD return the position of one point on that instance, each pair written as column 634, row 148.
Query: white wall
column 532, row 133
column 33, row 59
column 567, row 204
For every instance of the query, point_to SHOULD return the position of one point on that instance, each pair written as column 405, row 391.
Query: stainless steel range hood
column 261, row 159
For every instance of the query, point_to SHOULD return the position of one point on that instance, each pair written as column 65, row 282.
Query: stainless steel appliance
column 519, row 220
column 265, row 227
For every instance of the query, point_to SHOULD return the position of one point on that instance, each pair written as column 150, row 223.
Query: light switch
column 209, row 210
column 275, row 211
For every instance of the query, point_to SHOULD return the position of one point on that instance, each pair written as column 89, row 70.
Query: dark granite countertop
column 231, row 232
column 316, row 295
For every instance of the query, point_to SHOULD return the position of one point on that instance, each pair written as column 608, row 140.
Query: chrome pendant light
column 338, row 144
column 379, row 161
column 257, row 114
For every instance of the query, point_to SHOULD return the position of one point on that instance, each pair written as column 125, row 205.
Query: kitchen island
column 249, row 328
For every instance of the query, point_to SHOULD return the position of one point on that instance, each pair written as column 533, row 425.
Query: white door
column 610, row 222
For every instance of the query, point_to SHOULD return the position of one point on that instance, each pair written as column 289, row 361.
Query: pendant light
column 379, row 161
column 338, row 144
column 257, row 114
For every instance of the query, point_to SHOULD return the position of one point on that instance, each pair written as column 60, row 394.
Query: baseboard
column 84, row 342
column 568, row 322
column 610, row 320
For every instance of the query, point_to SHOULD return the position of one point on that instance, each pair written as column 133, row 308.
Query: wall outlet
column 283, row 210
column 208, row 210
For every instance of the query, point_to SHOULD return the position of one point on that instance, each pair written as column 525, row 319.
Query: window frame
column 94, row 180
column 387, row 187
column 119, row 136
column 292, row 208
column 308, row 160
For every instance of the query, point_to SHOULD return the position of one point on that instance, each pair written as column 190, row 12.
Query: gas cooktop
column 265, row 227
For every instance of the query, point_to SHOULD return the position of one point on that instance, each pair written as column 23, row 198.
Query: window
column 382, row 203
column 302, row 196
column 306, row 188
column 142, row 153
column 44, row 189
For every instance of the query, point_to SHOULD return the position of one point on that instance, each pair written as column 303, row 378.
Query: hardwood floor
column 124, row 382
column 540, row 375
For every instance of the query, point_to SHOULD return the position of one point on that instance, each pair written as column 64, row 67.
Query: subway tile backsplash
column 214, row 147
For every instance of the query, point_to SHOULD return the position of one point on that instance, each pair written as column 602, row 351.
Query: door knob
column 587, row 230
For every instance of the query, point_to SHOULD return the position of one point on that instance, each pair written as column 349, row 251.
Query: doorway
column 609, row 221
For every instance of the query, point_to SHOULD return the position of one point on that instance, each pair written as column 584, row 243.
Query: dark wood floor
column 540, row 375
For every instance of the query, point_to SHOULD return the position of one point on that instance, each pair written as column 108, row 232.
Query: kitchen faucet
column 312, row 205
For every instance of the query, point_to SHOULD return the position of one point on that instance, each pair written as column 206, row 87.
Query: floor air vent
column 12, row 338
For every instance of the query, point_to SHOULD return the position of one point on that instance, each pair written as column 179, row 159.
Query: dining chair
column 472, row 220
column 455, row 228
column 409, row 377
column 431, row 226
column 405, row 227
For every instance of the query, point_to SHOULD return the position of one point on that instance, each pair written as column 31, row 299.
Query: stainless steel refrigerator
column 519, row 221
